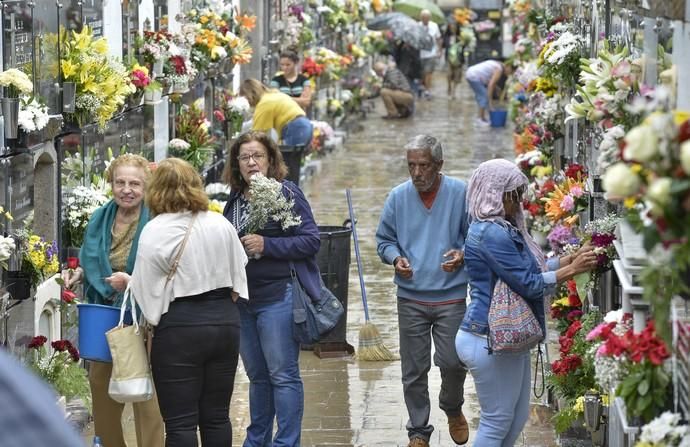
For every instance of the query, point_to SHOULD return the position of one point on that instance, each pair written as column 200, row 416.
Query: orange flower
column 245, row 21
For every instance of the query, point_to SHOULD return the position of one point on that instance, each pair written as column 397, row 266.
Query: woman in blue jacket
column 498, row 246
column 269, row 352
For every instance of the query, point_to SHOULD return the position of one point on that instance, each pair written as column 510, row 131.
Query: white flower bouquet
column 33, row 114
column 665, row 431
column 267, row 202
column 15, row 82
column 560, row 59
column 79, row 206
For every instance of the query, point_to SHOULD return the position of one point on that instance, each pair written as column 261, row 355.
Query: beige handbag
column 131, row 379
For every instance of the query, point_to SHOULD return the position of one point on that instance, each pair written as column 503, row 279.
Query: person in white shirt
column 429, row 57
column 188, row 275
column 485, row 78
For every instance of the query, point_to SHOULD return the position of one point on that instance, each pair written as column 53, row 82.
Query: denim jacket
column 496, row 250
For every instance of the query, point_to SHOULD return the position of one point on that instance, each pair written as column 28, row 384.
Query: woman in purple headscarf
column 498, row 246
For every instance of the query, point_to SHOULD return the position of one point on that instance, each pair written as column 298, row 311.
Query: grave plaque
column 19, row 186
column 17, row 22
column 92, row 16
column 130, row 28
column 45, row 32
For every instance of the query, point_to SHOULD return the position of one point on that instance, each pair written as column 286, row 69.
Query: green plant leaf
column 643, row 387
column 581, row 280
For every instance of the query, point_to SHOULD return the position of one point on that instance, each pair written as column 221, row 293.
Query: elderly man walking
column 422, row 234
column 395, row 91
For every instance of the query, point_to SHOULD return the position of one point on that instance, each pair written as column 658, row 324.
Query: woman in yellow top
column 276, row 110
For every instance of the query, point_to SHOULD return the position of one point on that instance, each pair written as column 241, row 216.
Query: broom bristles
column 371, row 347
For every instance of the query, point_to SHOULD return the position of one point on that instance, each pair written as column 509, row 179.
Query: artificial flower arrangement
column 154, row 46
column 58, row 364
column 334, row 107
column 15, row 83
column 568, row 197
column 192, row 128
column 666, row 430
column 560, row 237
column 39, row 258
column 638, row 362
column 485, row 26
column 33, row 113
column 463, row 16
column 572, row 374
column 268, row 203
column 311, row 68
column 559, row 59
column 534, row 205
column 567, row 308
column 605, row 84
column 334, row 64
column 103, row 83
column 322, row 133
column 81, row 203
column 653, row 181
column 600, row 234
column 235, row 110
column 218, row 194
column 375, row 42
column 139, row 76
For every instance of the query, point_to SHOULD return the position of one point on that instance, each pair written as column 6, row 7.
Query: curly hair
column 175, row 186
column 277, row 169
column 134, row 160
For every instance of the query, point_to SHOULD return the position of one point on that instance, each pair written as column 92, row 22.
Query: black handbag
column 312, row 320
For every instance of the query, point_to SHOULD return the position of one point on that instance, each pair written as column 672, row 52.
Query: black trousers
column 194, row 372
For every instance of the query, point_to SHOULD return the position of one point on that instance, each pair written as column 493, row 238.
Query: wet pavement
column 354, row 403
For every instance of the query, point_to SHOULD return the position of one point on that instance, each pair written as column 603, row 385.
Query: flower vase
column 180, row 86
column 158, row 68
column 134, row 100
column 10, row 113
column 153, row 96
column 228, row 66
column 69, row 95
column 593, row 411
column 17, row 283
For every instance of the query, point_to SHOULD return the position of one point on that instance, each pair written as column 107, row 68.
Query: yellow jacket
column 274, row 111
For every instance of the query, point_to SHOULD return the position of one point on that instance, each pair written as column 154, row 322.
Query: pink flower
column 621, row 69
column 576, row 191
column 567, row 204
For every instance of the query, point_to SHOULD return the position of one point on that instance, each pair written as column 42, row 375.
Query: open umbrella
column 413, row 7
column 403, row 28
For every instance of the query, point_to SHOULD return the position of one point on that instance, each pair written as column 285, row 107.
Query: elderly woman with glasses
column 498, row 247
column 269, row 352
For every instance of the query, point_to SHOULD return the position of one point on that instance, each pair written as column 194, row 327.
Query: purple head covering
column 485, row 192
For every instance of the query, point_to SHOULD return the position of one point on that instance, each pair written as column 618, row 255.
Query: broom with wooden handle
column 371, row 347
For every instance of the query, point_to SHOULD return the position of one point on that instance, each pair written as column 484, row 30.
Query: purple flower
column 559, row 236
column 602, row 239
column 297, row 11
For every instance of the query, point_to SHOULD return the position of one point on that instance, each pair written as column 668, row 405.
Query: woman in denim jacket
column 498, row 246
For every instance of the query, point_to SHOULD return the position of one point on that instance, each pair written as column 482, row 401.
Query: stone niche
column 39, row 314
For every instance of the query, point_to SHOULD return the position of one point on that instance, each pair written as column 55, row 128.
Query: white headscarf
column 485, row 192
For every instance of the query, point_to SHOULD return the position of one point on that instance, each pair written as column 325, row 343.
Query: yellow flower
column 214, row 206
column 203, row 20
column 630, row 202
column 579, row 406
column 101, row 46
column 680, row 116
column 636, row 168
column 68, row 68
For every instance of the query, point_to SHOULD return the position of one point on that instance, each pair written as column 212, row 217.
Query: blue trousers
column 298, row 132
column 271, row 358
column 502, row 382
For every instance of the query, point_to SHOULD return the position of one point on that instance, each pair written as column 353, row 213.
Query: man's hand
column 456, row 259
column 402, row 267
column 72, row 277
column 253, row 244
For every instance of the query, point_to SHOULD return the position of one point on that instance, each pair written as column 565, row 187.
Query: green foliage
column 645, row 390
column 564, row 418
column 191, row 126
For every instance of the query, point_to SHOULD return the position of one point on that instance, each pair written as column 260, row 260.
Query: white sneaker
column 481, row 123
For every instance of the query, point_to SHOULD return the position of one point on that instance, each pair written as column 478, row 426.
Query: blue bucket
column 94, row 321
column 498, row 118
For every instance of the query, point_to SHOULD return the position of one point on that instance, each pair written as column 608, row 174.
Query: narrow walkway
column 351, row 403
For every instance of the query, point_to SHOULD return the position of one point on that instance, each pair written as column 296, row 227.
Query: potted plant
column 15, row 83
column 153, row 92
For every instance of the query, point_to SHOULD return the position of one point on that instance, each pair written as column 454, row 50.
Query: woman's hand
column 72, row 277
column 584, row 261
column 118, row 281
column 253, row 244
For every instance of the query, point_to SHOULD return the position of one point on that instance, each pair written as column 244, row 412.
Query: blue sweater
column 408, row 229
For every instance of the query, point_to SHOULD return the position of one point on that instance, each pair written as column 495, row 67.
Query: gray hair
column 424, row 142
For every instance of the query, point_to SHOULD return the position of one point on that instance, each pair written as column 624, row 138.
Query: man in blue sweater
column 422, row 234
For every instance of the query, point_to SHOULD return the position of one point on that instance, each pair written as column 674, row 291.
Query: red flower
column 573, row 329
column 37, row 341
column 684, row 131
column 574, row 300
column 68, row 296
column 574, row 315
column 72, row 262
column 218, row 115
column 73, row 352
column 61, row 345
column 575, row 171
column 572, row 286
column 566, row 344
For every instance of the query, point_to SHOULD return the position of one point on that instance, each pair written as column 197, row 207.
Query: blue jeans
column 481, row 95
column 271, row 358
column 503, row 388
column 418, row 325
column 298, row 132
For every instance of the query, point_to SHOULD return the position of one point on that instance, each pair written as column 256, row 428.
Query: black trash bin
column 333, row 259
column 293, row 159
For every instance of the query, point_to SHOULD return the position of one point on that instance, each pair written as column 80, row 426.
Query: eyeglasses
column 258, row 158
